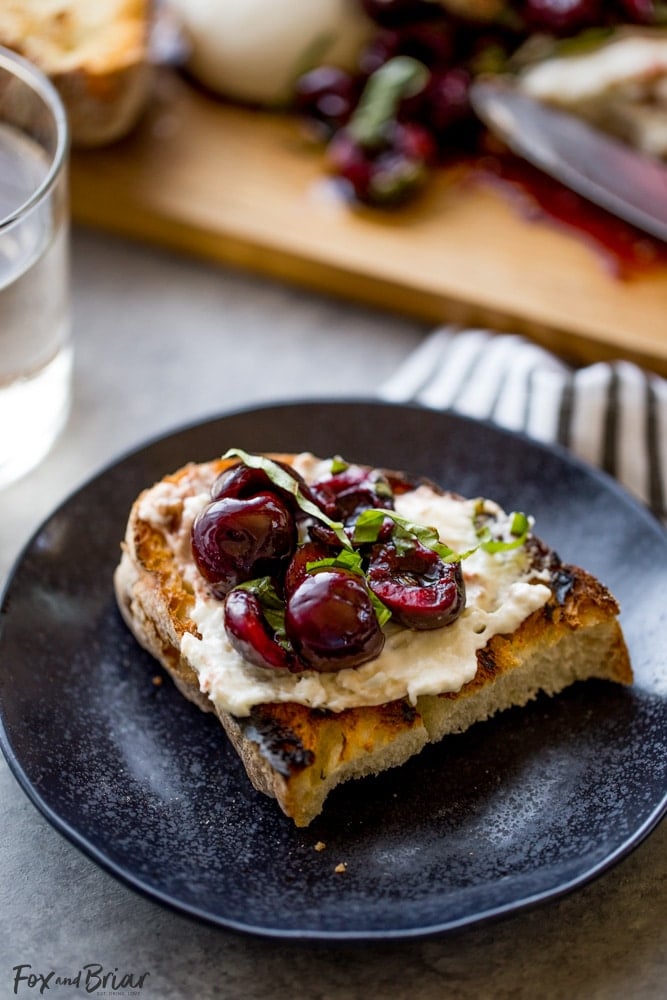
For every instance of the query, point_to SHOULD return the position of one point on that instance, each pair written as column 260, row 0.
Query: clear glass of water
column 35, row 345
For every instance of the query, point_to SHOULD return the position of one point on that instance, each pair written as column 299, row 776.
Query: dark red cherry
column 432, row 43
column 309, row 552
column 250, row 634
column 330, row 621
column 447, row 99
column 350, row 161
column 240, row 481
column 419, row 588
column 234, row 540
column 561, row 17
column 243, row 481
column 398, row 12
column 345, row 494
column 404, row 482
column 388, row 174
column 639, row 11
column 382, row 47
column 326, row 96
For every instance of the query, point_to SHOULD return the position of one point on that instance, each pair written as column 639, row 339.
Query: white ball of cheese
column 253, row 50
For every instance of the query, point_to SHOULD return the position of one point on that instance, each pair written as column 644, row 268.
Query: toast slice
column 96, row 55
column 296, row 748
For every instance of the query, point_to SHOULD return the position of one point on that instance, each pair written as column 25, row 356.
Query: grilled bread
column 298, row 750
column 95, row 53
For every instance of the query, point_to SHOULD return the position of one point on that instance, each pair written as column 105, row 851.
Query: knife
column 630, row 184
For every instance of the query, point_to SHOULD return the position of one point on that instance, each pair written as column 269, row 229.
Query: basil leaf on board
column 399, row 77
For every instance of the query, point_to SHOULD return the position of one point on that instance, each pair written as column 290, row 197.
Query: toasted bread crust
column 298, row 754
column 96, row 55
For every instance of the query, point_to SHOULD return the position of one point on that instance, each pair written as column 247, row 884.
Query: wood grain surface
column 244, row 188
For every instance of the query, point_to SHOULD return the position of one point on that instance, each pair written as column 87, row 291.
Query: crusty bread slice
column 96, row 54
column 297, row 754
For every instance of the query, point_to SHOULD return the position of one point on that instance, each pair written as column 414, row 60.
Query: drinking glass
column 35, row 344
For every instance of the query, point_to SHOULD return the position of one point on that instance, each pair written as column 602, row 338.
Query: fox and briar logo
column 91, row 979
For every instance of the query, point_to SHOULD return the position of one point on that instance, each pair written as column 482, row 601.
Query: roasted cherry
column 326, row 96
column 234, row 540
column 405, row 482
column 432, row 43
column 445, row 103
column 398, row 12
column 330, row 621
column 297, row 569
column 243, row 482
column 561, row 17
column 345, row 494
column 250, row 634
column 639, row 11
column 240, row 481
column 389, row 173
column 419, row 588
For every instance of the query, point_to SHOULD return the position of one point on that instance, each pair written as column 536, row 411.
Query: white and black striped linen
column 611, row 414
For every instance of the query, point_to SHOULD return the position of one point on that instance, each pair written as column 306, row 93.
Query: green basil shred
column 279, row 477
column 352, row 561
column 273, row 606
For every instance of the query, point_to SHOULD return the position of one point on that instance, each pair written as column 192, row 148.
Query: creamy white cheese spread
column 502, row 590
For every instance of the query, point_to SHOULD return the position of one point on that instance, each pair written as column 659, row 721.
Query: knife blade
column 630, row 184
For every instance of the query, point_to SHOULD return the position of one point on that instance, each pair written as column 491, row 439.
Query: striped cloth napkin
column 612, row 415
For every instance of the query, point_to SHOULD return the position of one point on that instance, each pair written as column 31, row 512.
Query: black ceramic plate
column 518, row 810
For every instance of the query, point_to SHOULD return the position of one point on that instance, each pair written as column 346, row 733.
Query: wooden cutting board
column 244, row 188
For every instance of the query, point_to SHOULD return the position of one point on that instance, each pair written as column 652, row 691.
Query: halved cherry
column 242, row 481
column 344, row 495
column 234, row 540
column 297, row 569
column 331, row 622
column 420, row 589
column 250, row 633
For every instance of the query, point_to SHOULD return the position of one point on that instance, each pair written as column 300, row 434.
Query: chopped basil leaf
column 494, row 545
column 280, row 477
column 338, row 464
column 369, row 524
column 383, row 489
column 273, row 607
column 519, row 528
column 346, row 559
column 382, row 612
